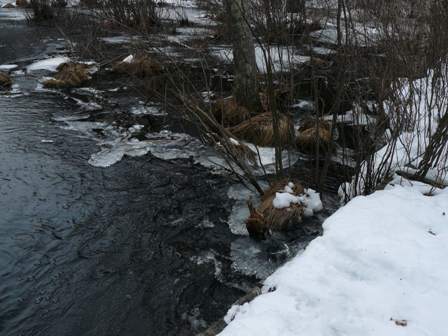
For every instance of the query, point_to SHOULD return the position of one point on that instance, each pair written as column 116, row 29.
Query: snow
column 310, row 200
column 50, row 64
column 423, row 102
column 8, row 67
column 182, row 3
column 128, row 59
column 266, row 158
column 305, row 105
column 378, row 270
column 282, row 58
column 284, row 200
column 120, row 39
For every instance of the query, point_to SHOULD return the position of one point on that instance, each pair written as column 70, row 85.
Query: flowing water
column 142, row 247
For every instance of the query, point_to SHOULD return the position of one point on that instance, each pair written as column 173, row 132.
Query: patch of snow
column 423, row 102
column 8, row 67
column 310, row 200
column 306, row 105
column 128, row 59
column 284, row 200
column 120, row 39
column 378, row 270
column 282, row 58
column 266, row 158
column 323, row 51
column 356, row 117
column 360, row 35
column 49, row 64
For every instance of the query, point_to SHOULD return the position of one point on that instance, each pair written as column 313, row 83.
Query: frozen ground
column 379, row 269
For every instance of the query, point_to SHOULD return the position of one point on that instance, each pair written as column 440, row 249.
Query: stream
column 143, row 247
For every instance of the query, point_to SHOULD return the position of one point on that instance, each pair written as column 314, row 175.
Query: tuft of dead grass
column 5, row 80
column 141, row 66
column 259, row 130
column 69, row 75
column 228, row 113
column 243, row 153
column 22, row 3
column 267, row 218
column 309, row 135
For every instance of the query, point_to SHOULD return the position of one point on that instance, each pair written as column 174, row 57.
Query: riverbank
column 378, row 269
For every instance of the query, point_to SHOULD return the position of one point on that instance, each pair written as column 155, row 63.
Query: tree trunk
column 245, row 86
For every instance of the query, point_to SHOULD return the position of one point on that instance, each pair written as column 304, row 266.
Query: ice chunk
column 50, row 64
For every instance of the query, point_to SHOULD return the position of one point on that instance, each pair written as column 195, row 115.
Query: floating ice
column 121, row 39
column 8, row 67
column 153, row 110
column 49, row 64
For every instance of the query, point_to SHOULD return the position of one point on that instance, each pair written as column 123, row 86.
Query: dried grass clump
column 309, row 135
column 243, row 153
column 69, row 75
column 22, row 3
column 5, row 80
column 259, row 130
column 140, row 66
column 228, row 113
column 266, row 217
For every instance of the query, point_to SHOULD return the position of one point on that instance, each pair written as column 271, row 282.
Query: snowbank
column 422, row 103
column 379, row 269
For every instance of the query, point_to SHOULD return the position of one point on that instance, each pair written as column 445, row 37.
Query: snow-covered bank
column 422, row 103
column 379, row 269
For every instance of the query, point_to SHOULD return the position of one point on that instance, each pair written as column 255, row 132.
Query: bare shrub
column 42, row 10
column 137, row 14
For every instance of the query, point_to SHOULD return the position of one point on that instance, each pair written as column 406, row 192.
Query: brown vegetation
column 141, row 66
column 136, row 14
column 266, row 217
column 243, row 153
column 22, row 3
column 311, row 135
column 42, row 10
column 69, row 75
column 5, row 80
column 259, row 130
column 229, row 113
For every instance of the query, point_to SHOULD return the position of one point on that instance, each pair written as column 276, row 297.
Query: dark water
column 91, row 251
column 140, row 248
